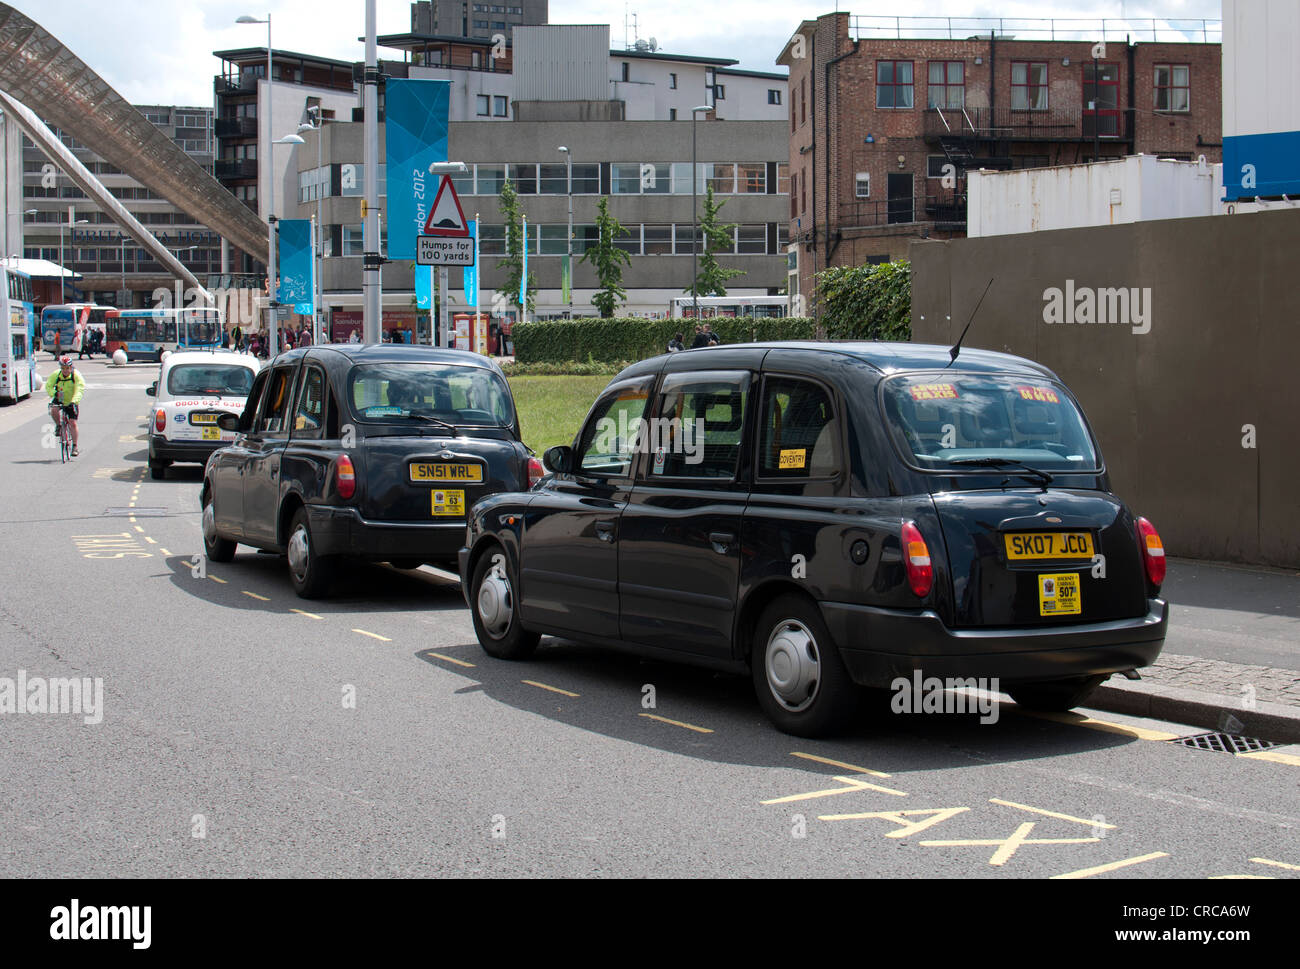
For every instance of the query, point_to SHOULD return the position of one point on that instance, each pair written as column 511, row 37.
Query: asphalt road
column 246, row 732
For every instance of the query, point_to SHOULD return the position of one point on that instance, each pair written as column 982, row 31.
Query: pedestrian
column 237, row 337
column 83, row 344
column 714, row 339
column 353, row 338
column 700, row 339
column 675, row 343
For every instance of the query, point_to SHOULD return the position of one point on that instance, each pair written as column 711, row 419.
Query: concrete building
column 884, row 123
column 462, row 18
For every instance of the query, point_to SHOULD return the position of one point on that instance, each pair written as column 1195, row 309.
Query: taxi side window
column 309, row 417
column 700, row 426
column 610, row 438
column 275, row 407
column 798, row 434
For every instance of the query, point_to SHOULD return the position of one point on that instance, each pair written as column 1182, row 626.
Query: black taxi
column 829, row 516
column 372, row 452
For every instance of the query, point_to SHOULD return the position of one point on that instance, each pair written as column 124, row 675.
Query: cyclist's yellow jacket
column 74, row 383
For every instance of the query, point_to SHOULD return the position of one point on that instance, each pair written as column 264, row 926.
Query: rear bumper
column 342, row 531
column 185, row 452
column 879, row 645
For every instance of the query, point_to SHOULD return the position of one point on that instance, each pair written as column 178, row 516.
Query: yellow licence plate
column 448, row 504
column 1058, row 595
column 1022, row 546
column 447, row 472
column 212, row 434
column 203, row 418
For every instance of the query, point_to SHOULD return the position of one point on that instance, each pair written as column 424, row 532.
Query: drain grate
column 1225, row 743
column 139, row 512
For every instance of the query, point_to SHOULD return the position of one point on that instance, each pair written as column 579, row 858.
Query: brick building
column 883, row 128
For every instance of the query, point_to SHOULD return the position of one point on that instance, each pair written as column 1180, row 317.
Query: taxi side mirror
column 228, row 422
column 152, row 389
column 559, row 459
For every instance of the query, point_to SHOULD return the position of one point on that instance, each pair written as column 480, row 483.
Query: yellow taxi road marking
column 839, row 763
column 304, row 612
column 1006, row 847
column 138, row 528
column 452, row 659
column 215, row 579
column 1079, row 720
column 850, row 784
column 1052, row 814
column 553, row 689
column 382, row 639
column 676, row 723
column 132, row 519
column 163, row 551
column 1275, row 864
column 900, row 817
column 118, row 545
column 151, row 541
column 1274, row 756
column 254, row 595
column 1113, row 866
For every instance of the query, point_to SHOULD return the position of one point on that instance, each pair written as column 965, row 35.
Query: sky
column 160, row 51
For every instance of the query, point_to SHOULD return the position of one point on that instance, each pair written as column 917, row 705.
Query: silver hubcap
column 299, row 552
column 209, row 523
column 496, row 600
column 793, row 664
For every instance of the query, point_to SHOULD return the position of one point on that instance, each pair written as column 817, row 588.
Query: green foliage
column 608, row 261
column 513, row 262
column 567, row 368
column 866, row 302
column 635, row 338
column 711, row 279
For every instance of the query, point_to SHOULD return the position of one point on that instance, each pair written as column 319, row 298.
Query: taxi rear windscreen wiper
column 420, row 416
column 1037, row 474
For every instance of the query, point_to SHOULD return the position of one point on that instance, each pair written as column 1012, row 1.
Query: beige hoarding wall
column 1192, row 383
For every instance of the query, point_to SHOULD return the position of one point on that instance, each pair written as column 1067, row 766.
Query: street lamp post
column 695, row 232
column 568, row 178
column 270, row 188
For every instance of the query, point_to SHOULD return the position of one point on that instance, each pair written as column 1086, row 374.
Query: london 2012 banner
column 297, row 267
column 415, row 115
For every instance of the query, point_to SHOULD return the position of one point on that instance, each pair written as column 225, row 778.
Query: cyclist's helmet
column 65, row 361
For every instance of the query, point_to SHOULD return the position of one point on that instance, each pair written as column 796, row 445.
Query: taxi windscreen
column 950, row 421
column 209, row 379
column 451, row 394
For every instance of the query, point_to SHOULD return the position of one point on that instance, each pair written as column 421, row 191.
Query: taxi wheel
column 496, row 609
column 311, row 574
column 1057, row 695
column 216, row 548
column 799, row 678
column 158, row 469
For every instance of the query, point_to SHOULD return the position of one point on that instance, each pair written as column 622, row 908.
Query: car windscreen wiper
column 1037, row 474
column 419, row 416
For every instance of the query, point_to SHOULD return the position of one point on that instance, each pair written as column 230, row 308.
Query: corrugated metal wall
column 562, row 63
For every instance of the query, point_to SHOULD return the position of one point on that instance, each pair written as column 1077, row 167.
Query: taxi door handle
column 605, row 531
column 721, row 541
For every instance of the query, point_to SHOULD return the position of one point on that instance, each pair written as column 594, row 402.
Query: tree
column 608, row 261
column 866, row 302
column 513, row 262
column 710, row 279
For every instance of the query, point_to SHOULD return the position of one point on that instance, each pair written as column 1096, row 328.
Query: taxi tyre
column 158, row 469
column 816, row 697
column 494, row 605
column 216, row 548
column 310, row 574
column 1056, row 696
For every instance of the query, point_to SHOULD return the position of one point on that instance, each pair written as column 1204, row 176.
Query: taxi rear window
column 460, row 395
column 941, row 422
column 210, row 380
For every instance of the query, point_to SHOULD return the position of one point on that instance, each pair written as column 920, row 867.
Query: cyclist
column 70, row 384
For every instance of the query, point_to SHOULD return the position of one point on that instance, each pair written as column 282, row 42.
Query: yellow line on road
column 382, row 639
column 215, row 579
column 138, row 528
column 1274, row 756
column 164, row 551
column 254, row 595
column 450, row 659
column 151, row 541
column 1051, row 814
column 676, row 723
column 850, row 784
column 1079, row 720
column 1275, row 864
column 553, row 689
column 1215, row 878
column 1113, row 866
column 303, row 612
column 839, row 763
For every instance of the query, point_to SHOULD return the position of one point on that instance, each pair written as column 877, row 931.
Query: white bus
column 683, row 307
column 17, row 359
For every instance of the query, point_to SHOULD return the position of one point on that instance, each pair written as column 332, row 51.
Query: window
column 862, row 185
column 1028, row 85
column 934, row 165
column 751, row 240
column 803, row 100
column 586, row 178
column 476, row 56
column 719, row 92
column 484, row 102
column 782, row 178
column 524, row 178
column 751, row 178
column 672, row 82
column 1173, row 87
column 625, row 71
column 554, row 180
column 798, row 435
column 947, row 88
column 773, row 96
column 276, row 403
column 672, row 114
column 701, row 426
column 499, row 102
column 794, row 195
column 626, row 178
column 893, row 84
column 658, row 240
column 309, row 419
column 491, row 240
column 490, row 179
column 721, row 177
column 352, row 241
column 612, row 434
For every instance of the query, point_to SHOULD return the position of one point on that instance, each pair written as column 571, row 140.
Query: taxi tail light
column 1153, row 552
column 160, row 420
column 536, row 471
column 916, row 558
column 345, row 477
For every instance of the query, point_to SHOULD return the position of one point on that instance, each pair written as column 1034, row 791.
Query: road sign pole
column 442, row 305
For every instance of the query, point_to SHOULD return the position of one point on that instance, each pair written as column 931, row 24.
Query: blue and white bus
column 65, row 325
column 148, row 334
column 17, row 359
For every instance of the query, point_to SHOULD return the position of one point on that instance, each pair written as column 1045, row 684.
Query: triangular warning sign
column 446, row 218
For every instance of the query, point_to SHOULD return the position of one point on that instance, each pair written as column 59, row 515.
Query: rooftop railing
column 1137, row 30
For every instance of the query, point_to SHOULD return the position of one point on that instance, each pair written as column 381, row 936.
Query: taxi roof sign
column 446, row 218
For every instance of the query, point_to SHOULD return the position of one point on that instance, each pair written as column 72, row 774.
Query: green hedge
column 567, row 368
column 636, row 338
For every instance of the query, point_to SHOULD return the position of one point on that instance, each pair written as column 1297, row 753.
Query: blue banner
column 296, row 265
column 415, row 114
column 523, row 277
column 424, row 287
column 470, row 276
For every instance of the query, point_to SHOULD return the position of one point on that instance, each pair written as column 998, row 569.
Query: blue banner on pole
column 424, row 287
column 297, row 265
column 415, row 115
column 470, row 276
column 523, row 277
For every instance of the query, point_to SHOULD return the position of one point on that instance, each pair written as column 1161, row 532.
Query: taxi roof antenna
column 956, row 347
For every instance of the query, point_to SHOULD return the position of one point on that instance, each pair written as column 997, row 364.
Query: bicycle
column 61, row 428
